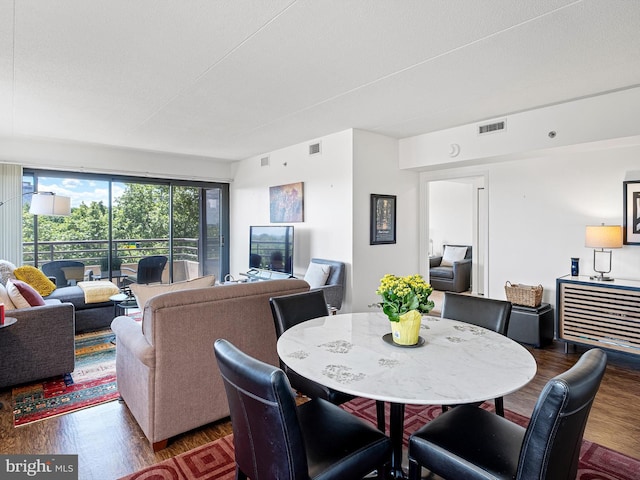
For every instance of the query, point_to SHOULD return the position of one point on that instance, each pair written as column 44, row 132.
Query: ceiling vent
column 264, row 162
column 492, row 127
column 314, row 149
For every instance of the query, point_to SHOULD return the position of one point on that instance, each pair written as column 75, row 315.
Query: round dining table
column 453, row 363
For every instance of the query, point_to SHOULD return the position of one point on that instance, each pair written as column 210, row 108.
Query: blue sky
column 80, row 190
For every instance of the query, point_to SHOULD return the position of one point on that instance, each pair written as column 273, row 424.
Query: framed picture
column 383, row 219
column 631, row 213
column 286, row 203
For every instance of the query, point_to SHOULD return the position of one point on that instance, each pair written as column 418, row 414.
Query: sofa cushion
column 441, row 272
column 36, row 278
column 317, row 274
column 5, row 299
column 452, row 254
column 6, row 271
column 144, row 292
column 23, row 295
column 74, row 294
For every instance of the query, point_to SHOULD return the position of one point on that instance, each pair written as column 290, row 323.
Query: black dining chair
column 483, row 312
column 290, row 310
column 471, row 443
column 275, row 439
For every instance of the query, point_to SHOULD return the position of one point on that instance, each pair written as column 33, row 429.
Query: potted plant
column 116, row 262
column 404, row 301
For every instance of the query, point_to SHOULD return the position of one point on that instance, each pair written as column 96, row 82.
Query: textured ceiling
column 232, row 79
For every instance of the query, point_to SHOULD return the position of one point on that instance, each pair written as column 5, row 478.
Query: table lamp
column 602, row 236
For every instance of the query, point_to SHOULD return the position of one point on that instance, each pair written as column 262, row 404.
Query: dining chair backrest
column 268, row 441
column 483, row 312
column 290, row 310
column 471, row 442
column 551, row 446
column 150, row 269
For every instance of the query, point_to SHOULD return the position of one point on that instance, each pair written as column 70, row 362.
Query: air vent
column 492, row 127
column 314, row 148
column 264, row 162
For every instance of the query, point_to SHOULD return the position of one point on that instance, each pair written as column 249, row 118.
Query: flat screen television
column 271, row 248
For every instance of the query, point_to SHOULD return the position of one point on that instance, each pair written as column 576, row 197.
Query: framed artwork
column 286, row 203
column 631, row 212
column 383, row 219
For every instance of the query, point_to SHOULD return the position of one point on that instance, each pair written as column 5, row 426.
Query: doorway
column 455, row 211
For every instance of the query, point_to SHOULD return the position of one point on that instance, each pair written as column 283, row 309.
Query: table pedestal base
column 396, row 430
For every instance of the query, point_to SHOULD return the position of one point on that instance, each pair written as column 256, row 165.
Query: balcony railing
column 92, row 251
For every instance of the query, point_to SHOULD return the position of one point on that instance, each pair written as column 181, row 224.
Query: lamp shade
column 50, row 204
column 603, row 236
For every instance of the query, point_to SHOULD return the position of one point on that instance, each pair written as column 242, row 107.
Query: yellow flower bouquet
column 403, row 294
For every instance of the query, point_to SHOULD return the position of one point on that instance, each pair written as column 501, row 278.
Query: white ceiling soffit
column 232, row 79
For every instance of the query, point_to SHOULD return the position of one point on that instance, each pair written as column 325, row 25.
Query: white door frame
column 480, row 258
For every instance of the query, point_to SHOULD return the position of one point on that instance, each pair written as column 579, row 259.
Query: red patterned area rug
column 215, row 460
column 91, row 383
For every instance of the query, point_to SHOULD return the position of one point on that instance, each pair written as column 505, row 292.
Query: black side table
column 531, row 325
column 125, row 305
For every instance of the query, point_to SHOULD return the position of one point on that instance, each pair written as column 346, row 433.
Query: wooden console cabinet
column 603, row 314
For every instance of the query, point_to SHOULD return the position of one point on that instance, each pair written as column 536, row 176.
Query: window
column 116, row 221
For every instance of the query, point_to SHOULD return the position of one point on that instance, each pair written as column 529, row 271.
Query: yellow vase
column 407, row 330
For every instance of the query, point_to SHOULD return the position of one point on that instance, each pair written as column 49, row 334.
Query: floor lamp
column 46, row 203
column 602, row 236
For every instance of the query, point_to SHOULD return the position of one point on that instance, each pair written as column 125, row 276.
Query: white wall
column 602, row 118
column 337, row 188
column 543, row 191
column 327, row 177
column 81, row 157
column 538, row 210
column 375, row 160
column 450, row 214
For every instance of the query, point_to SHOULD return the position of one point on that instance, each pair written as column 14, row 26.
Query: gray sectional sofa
column 39, row 345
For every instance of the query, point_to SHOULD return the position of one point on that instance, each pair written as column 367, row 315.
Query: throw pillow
column 36, row 278
column 144, row 292
column 23, row 295
column 4, row 298
column 452, row 254
column 317, row 274
column 6, row 271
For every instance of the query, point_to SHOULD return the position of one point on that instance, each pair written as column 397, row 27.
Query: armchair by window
column 452, row 271
column 149, row 270
column 65, row 272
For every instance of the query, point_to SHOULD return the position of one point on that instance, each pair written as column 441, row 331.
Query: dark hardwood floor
column 110, row 444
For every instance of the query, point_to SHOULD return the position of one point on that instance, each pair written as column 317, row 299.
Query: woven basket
column 526, row 295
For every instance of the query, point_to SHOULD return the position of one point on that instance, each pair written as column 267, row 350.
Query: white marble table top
column 459, row 362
